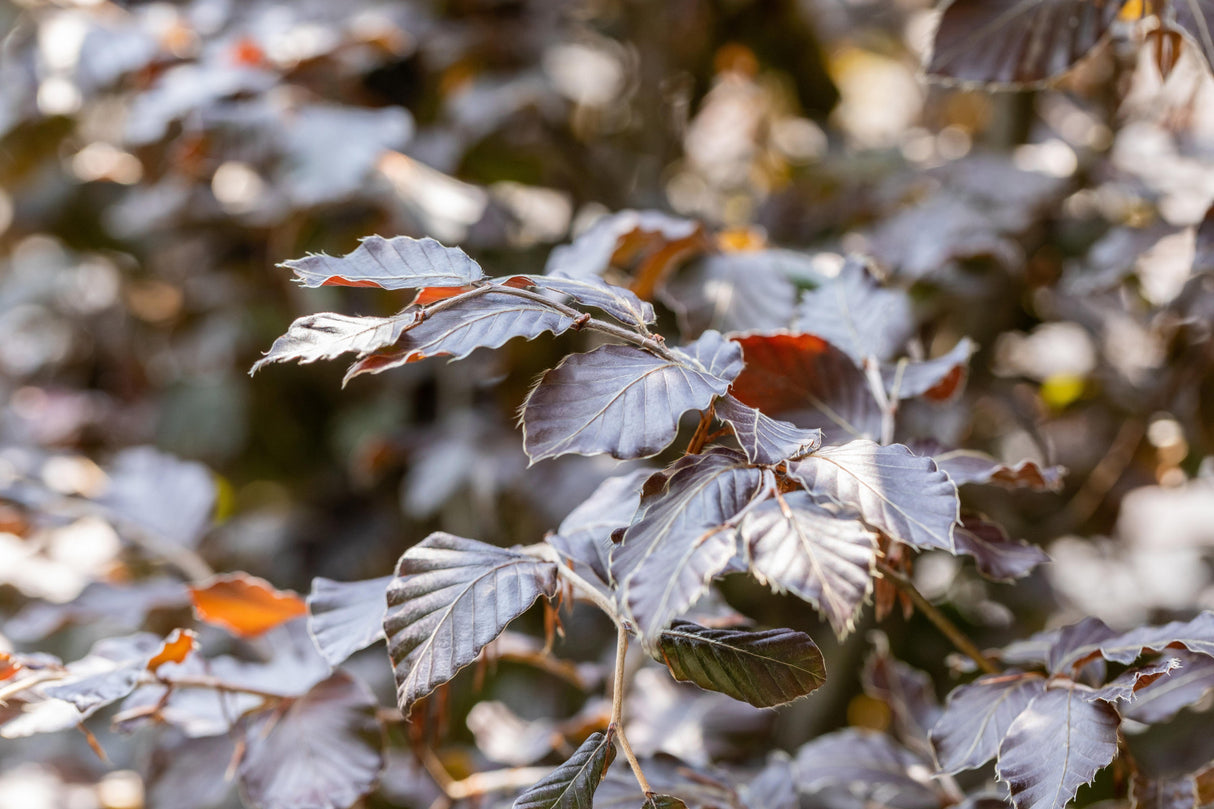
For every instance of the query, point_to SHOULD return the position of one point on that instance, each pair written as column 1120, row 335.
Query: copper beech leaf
column 1057, row 744
column 682, row 536
column 938, row 379
column 1163, row 792
column 766, row 668
column 324, row 751
column 766, row 440
column 1196, row 635
column 344, row 617
column 591, row 253
column 996, row 555
column 819, row 552
column 244, row 605
column 451, row 597
column 327, row 335
column 623, row 400
column 397, row 263
column 584, row 536
column 967, row 466
column 1017, row 42
column 1125, row 687
column 1196, row 18
column 572, row 785
column 619, row 302
column 903, row 495
column 1179, row 690
column 977, row 716
column 663, row 802
column 734, row 291
column 854, row 313
column 871, row 765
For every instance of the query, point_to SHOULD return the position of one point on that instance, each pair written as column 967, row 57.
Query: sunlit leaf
column 344, row 617
column 977, row 717
column 1077, row 643
column 622, row 400
column 1084, row 730
column 108, row 673
column 451, row 597
column 174, row 649
column 397, row 263
column 766, row 440
column 682, row 537
column 619, row 302
column 244, row 605
column 326, row 335
column 871, row 765
column 572, row 785
column 1196, row 635
column 938, row 379
column 997, row 556
column 968, row 466
column 584, row 536
column 902, row 494
column 1125, row 687
column 325, row 751
column 854, row 313
column 1180, row 689
column 819, row 552
column 764, row 668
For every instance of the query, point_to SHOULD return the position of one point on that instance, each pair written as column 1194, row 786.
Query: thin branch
column 700, row 437
column 947, row 627
column 617, row 708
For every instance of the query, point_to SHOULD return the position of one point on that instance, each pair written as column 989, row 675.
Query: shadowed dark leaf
column 1085, row 731
column 1180, row 689
column 189, row 773
column 663, row 802
column 683, row 537
column 451, row 597
column 996, row 555
column 572, row 785
column 765, row 668
column 397, row 263
column 584, row 536
column 324, row 752
column 1016, row 42
column 765, row 440
column 902, row 494
column 977, row 717
column 854, row 313
column 968, row 466
column 817, row 551
column 871, row 765
column 907, row 691
column 808, row 381
column 623, row 400
column 344, row 617
column 937, row 379
column 1167, row 792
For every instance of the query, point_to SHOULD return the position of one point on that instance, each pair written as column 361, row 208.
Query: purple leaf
column 907, row 691
column 937, row 379
column 397, row 263
column 977, row 717
column 764, row 669
column 997, row 556
column 451, row 597
column 1056, row 745
column 326, row 335
column 619, row 302
column 897, row 492
column 623, row 400
column 188, row 773
column 109, row 672
column 816, row 551
column 870, row 764
column 1125, row 687
column 1168, row 696
column 325, row 751
column 1196, row 18
column 589, row 255
column 1005, row 42
column 734, row 291
column 160, row 495
column 1196, row 635
column 1077, row 643
column 773, row 787
column 584, row 536
column 1170, row 792
column 344, row 617
column 683, row 536
column 856, row 314
column 766, row 440
column 967, row 466
column 572, row 785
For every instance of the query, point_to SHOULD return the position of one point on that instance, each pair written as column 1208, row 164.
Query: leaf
column 682, row 537
column 1076, row 644
column 397, row 263
column 244, row 605
column 734, row 291
column 765, row 668
column 907, row 691
column 766, row 440
column 663, row 802
column 344, row 617
column 1180, row 689
column 585, row 534
column 977, row 717
column 590, row 254
column 488, row 320
column 109, row 672
column 817, row 551
column 854, row 313
column 1196, row 635
column 1084, row 731
column 623, row 400
column 175, row 648
column 808, row 381
column 503, row 736
column 773, row 787
column 998, row 557
column 871, row 765
column 1171, row 792
column 326, row 335
column 1016, row 42
column 619, row 302
column 188, row 773
column 1196, row 18
column 897, row 492
column 937, row 380
column 572, row 785
column 326, row 751
column 1125, row 687
column 160, row 495
column 967, row 466
column 451, row 597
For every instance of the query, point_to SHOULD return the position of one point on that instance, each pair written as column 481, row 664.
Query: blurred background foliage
column 157, row 160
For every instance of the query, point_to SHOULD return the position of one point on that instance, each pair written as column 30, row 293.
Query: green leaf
column 765, row 668
column 572, row 785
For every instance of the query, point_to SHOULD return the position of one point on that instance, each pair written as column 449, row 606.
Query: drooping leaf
column 902, row 494
column 977, row 716
column 623, row 400
column 397, row 263
column 997, row 556
column 585, row 534
column 344, row 617
column 1170, row 792
column 854, row 313
column 809, row 382
column 870, row 764
column 817, row 551
column 1011, row 42
column 938, row 379
column 1196, row 18
column 765, row 668
column 590, row 254
column 1180, row 689
column 451, row 597
column 733, row 291
column 967, row 466
column 326, row 335
column 619, row 302
column 325, row 751
column 907, row 691
column 766, row 440
column 1084, row 730
column 1196, row 635
column 244, row 605
column 1125, row 687
column 682, row 537
column 572, row 785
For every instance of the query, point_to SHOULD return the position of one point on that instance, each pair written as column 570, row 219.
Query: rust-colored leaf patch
column 245, row 605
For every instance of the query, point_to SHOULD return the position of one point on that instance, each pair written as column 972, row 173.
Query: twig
column 950, row 630
column 700, row 437
column 617, row 708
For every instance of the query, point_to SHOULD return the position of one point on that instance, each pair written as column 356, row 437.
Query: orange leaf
column 245, row 605
column 8, row 666
column 179, row 644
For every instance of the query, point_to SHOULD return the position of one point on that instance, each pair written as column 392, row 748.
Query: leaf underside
column 397, row 263
column 344, row 617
